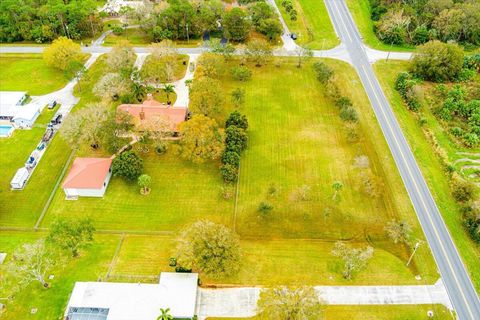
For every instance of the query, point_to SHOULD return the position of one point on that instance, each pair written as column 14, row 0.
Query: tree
column 121, row 58
column 294, row 303
column 86, row 126
column 168, row 89
column 354, row 259
column 462, row 190
column 393, row 26
column 398, row 231
column 337, row 186
column 31, row 262
column 127, row 165
column 71, row 234
column 144, row 182
column 259, row 51
column 449, row 24
column 236, row 25
column 61, row 53
column 165, row 48
column 111, row 86
column 324, row 73
column 156, row 130
column 201, row 139
column 241, row 73
column 437, row 61
column 75, row 70
column 206, row 96
column 302, row 55
column 165, row 314
column 237, row 119
column 209, row 65
column 271, row 27
column 210, row 248
column 236, row 139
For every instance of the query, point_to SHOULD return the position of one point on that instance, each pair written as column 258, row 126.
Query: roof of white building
column 27, row 112
column 132, row 301
column 9, row 102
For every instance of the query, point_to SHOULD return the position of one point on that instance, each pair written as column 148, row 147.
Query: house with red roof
column 151, row 109
column 88, row 177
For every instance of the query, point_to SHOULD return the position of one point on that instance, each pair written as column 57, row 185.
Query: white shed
column 88, row 177
column 26, row 115
column 19, row 179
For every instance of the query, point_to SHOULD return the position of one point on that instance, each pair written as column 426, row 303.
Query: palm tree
column 168, row 89
column 165, row 314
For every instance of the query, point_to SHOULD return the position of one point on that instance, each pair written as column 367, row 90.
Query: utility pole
column 414, row 251
column 388, row 55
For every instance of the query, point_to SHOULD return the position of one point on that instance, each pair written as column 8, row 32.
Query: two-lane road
column 456, row 279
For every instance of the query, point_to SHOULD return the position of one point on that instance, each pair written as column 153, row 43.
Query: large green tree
column 62, row 53
column 236, row 25
column 71, row 234
column 437, row 61
column 201, row 139
column 206, row 96
column 290, row 303
column 210, row 248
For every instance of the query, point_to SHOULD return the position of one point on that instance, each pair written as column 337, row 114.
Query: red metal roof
column 87, row 173
column 152, row 108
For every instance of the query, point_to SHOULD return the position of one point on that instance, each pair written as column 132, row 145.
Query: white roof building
column 26, row 115
column 10, row 103
column 134, row 301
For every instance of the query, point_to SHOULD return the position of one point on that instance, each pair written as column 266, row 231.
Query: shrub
column 237, row 119
column 349, row 114
column 456, row 131
column 462, row 190
column 229, row 173
column 241, row 73
column 471, row 140
column 231, row 158
column 323, row 72
column 343, row 102
column 236, row 139
column 265, row 208
column 472, row 224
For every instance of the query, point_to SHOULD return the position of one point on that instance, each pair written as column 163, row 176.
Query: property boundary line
column 52, row 194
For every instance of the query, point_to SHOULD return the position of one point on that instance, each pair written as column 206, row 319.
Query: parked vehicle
column 48, row 135
column 31, row 162
column 293, row 36
column 57, row 119
column 52, row 104
column 19, row 179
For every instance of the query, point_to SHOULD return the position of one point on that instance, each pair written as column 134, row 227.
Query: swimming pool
column 6, row 131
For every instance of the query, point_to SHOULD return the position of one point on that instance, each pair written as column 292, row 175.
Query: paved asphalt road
column 456, row 279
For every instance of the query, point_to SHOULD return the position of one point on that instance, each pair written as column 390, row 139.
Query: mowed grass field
column 313, row 26
column 361, row 13
column 430, row 164
column 265, row 262
column 28, row 72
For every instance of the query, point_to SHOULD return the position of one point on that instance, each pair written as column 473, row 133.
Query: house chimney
column 142, row 115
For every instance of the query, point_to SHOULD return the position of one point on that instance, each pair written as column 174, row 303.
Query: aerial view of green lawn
column 42, row 79
column 243, row 178
column 429, row 162
column 311, row 26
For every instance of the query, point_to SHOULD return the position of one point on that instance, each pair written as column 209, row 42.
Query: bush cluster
column 241, row 73
column 288, row 6
column 405, row 84
column 235, row 142
column 325, row 75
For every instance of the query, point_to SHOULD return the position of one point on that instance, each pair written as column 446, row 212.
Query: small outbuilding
column 88, row 177
column 122, row 301
column 19, row 179
column 26, row 115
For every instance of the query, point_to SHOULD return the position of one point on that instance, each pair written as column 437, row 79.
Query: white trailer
column 20, row 178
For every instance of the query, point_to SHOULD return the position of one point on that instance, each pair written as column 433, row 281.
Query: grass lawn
column 377, row 312
column 360, row 10
column 304, row 261
column 28, row 72
column 313, row 26
column 22, row 208
column 430, row 164
column 92, row 264
column 135, row 36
